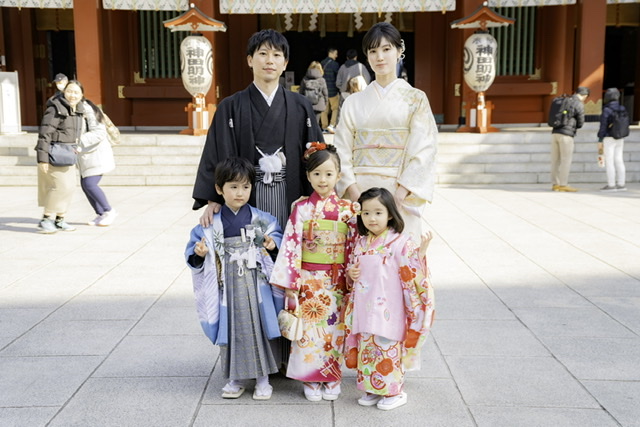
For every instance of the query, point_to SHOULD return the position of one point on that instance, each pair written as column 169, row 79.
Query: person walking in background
column 386, row 135
column 350, row 69
column 230, row 267
column 60, row 82
column 562, row 141
column 390, row 304
column 62, row 124
column 95, row 158
column 611, row 147
column 314, row 88
column 329, row 117
column 310, row 267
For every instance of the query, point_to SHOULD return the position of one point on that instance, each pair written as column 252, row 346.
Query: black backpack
column 313, row 92
column 619, row 123
column 559, row 112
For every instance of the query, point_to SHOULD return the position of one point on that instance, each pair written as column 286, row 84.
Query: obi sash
column 323, row 245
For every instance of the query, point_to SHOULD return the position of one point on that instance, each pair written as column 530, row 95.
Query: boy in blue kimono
column 231, row 262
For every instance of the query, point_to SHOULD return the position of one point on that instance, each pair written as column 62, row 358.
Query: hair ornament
column 312, row 147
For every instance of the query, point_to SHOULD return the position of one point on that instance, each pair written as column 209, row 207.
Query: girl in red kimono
column 311, row 268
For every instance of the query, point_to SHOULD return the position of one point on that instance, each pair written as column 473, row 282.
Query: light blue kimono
column 208, row 280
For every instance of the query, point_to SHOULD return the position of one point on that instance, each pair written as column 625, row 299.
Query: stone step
column 519, row 155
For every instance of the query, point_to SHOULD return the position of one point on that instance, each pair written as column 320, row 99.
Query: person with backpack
column 330, row 66
column 314, row 87
column 614, row 126
column 566, row 121
column 352, row 68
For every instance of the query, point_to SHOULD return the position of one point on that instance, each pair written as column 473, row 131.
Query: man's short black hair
column 270, row 38
column 352, row 54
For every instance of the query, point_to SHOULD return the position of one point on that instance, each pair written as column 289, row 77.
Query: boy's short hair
column 352, row 54
column 235, row 169
column 272, row 39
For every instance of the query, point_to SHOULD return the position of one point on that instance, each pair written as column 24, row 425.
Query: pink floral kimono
column 388, row 313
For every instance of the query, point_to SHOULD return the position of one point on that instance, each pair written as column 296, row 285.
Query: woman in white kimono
column 387, row 134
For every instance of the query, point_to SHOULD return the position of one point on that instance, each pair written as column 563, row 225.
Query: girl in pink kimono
column 311, row 268
column 390, row 305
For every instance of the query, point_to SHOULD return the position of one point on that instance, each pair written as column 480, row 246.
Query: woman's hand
column 201, row 248
column 207, row 216
column 269, row 244
column 44, row 167
column 353, row 192
column 400, row 195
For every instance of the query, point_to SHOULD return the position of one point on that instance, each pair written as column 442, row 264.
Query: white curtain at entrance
column 146, row 4
column 40, row 4
column 335, row 6
column 622, row 1
column 519, row 3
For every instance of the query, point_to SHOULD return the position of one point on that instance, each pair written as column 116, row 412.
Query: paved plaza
column 537, row 318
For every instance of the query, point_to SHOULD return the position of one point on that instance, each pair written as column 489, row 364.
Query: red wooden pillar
column 592, row 23
column 87, row 30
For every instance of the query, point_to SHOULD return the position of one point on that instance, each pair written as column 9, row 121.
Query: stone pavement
column 537, row 324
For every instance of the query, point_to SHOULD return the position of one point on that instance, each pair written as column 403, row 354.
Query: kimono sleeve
column 417, row 301
column 286, row 271
column 197, row 233
column 273, row 228
column 343, row 140
column 419, row 165
column 220, row 144
column 207, row 294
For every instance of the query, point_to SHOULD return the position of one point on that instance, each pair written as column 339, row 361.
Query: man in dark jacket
column 608, row 145
column 562, row 141
column 266, row 124
column 330, row 67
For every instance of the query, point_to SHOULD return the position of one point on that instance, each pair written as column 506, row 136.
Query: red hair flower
column 312, row 147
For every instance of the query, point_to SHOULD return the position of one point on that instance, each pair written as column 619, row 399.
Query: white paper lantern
column 480, row 51
column 196, row 63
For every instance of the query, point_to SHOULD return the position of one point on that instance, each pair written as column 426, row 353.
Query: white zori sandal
column 232, row 390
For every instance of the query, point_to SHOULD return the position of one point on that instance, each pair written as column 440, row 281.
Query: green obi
column 326, row 243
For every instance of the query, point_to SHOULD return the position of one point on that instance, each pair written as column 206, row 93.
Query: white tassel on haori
column 270, row 164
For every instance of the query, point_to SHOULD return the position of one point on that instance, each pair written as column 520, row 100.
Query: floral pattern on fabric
column 381, row 362
column 318, row 356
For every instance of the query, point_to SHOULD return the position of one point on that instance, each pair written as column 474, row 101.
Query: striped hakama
column 248, row 354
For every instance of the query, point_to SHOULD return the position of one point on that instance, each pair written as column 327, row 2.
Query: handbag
column 61, row 154
column 290, row 322
column 113, row 133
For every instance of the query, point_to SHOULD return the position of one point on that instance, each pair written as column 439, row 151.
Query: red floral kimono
column 316, row 244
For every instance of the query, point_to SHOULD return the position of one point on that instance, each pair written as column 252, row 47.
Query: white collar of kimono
column 383, row 90
column 268, row 98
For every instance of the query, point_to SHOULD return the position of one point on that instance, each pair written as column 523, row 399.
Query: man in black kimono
column 266, row 124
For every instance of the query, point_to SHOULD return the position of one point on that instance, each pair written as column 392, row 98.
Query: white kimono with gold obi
column 385, row 138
